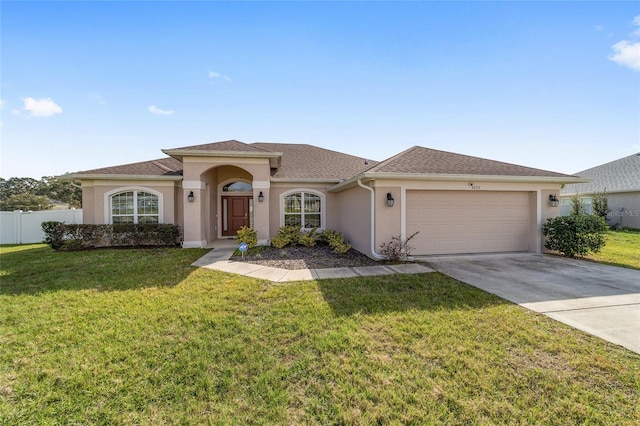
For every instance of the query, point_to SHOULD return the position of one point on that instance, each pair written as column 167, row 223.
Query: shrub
column 248, row 236
column 397, row 248
column 308, row 239
column 51, row 231
column 79, row 237
column 335, row 240
column 575, row 234
column 287, row 235
column 577, row 208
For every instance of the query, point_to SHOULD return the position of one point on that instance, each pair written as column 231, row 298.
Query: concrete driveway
column 599, row 299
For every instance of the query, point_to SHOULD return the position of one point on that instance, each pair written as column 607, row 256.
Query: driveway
column 599, row 299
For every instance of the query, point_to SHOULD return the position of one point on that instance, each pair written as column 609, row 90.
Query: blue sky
column 543, row 84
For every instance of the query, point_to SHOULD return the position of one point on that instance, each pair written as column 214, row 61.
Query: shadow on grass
column 39, row 269
column 397, row 293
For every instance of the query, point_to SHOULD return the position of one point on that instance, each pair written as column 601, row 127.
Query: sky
column 551, row 85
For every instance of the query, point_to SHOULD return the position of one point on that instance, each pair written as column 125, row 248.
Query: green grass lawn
column 622, row 249
column 140, row 337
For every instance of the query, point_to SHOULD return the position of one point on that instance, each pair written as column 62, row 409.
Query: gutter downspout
column 373, row 223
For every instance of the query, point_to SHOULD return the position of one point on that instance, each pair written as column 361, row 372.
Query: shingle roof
column 162, row 167
column 621, row 175
column 225, row 146
column 419, row 160
column 301, row 161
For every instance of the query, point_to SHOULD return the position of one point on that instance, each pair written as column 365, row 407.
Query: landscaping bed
column 301, row 257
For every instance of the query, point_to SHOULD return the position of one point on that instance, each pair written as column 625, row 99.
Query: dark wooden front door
column 235, row 214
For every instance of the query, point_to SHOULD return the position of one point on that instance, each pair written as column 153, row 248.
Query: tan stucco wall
column 389, row 219
column 354, row 218
column 93, row 198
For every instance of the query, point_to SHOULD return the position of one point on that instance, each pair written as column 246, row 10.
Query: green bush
column 308, row 239
column 335, row 240
column 576, row 234
column 600, row 204
column 248, row 236
column 80, row 237
column 287, row 235
column 51, row 231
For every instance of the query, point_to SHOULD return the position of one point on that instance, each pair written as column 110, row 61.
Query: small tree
column 577, row 208
column 600, row 204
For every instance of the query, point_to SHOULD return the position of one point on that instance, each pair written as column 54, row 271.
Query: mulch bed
column 300, row 257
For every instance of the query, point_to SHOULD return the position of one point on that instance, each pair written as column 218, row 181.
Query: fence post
column 17, row 226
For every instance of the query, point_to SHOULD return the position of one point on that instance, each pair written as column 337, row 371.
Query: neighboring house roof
column 621, row 175
column 421, row 160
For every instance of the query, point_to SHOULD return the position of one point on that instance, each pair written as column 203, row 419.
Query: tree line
column 32, row 194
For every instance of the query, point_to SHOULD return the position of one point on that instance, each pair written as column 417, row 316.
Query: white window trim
column 323, row 205
column 107, row 201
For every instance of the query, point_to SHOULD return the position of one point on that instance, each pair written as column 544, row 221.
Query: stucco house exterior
column 621, row 180
column 458, row 203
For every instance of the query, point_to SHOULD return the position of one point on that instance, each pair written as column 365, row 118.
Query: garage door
column 468, row 222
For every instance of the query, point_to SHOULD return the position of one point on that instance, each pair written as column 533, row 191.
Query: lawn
column 622, row 249
column 141, row 337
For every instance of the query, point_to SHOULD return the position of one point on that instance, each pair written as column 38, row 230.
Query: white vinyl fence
column 18, row 227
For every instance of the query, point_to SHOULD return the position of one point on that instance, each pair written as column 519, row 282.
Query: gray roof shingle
column 162, row 167
column 225, row 146
column 301, row 161
column 621, row 175
column 419, row 160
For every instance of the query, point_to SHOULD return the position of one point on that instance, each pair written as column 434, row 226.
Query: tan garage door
column 468, row 222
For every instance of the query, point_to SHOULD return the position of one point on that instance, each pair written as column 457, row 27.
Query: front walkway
column 218, row 259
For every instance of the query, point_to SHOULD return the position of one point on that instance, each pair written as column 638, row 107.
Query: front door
column 235, row 214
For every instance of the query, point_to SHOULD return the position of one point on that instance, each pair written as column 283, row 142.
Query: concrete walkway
column 218, row 259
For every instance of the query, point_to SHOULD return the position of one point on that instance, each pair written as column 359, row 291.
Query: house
column 458, row 203
column 621, row 180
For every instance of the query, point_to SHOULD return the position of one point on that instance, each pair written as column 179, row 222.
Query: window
column 237, row 187
column 303, row 209
column 134, row 207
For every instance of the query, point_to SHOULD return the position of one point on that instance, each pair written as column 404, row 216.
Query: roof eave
column 456, row 177
column 104, row 176
column 306, row 180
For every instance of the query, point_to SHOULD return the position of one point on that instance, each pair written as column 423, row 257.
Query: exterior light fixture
column 191, row 197
column 389, row 200
column 553, row 200
column 260, row 197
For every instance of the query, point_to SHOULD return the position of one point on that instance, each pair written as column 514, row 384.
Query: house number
column 474, row 186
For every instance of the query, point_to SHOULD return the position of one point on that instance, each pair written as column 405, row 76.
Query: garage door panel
column 468, row 222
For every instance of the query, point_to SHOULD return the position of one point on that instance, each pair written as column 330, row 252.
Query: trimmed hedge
column 82, row 237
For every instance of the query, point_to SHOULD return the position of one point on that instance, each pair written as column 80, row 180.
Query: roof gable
column 224, row 146
column 622, row 175
column 420, row 160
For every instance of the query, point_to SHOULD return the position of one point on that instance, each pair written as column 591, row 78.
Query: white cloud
column 44, row 107
column 627, row 52
column 155, row 110
column 214, row 74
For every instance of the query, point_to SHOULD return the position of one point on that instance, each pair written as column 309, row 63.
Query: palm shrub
column 287, row 235
column 575, row 235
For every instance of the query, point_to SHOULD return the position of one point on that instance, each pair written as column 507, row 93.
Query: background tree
column 49, row 187
column 25, row 202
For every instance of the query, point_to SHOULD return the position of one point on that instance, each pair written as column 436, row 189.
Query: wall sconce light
column 260, row 197
column 389, row 200
column 553, row 200
column 191, row 197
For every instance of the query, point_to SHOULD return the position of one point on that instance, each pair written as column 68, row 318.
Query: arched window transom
column 237, row 187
